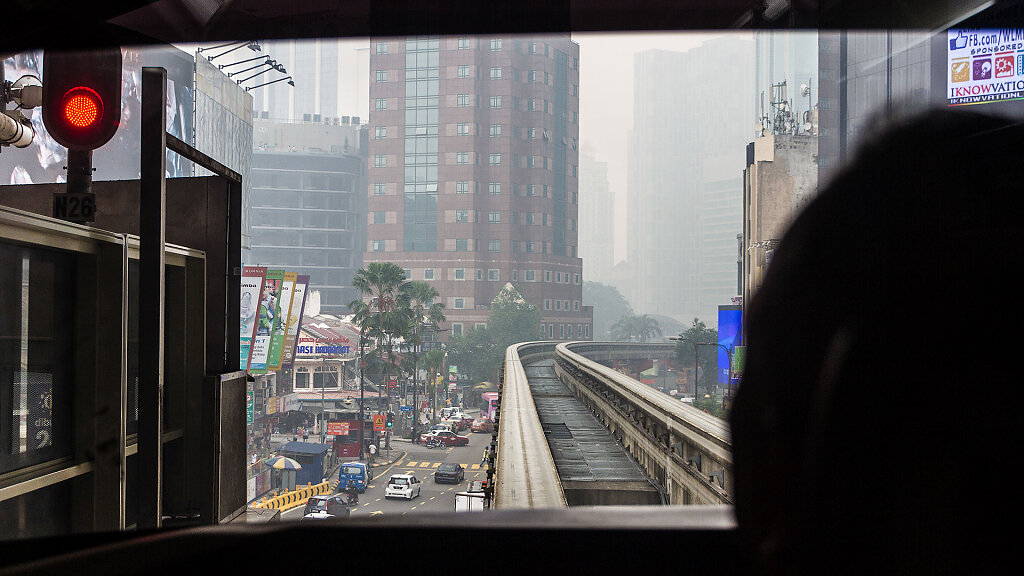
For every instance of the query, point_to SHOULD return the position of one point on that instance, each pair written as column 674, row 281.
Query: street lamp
column 728, row 357
column 680, row 339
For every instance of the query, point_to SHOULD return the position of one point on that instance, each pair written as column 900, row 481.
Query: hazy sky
column 606, row 101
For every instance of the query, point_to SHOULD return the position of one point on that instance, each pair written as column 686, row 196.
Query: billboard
column 295, row 319
column 252, row 287
column 44, row 160
column 270, row 309
column 277, row 333
column 984, row 66
column 730, row 335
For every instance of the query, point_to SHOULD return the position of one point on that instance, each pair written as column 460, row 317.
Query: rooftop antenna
column 805, row 90
column 782, row 111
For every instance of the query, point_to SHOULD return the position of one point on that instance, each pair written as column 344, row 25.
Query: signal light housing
column 82, row 96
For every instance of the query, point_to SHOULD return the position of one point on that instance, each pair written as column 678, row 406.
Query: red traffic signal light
column 82, row 96
column 83, row 107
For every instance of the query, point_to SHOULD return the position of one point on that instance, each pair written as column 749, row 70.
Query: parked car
column 481, row 425
column 446, row 437
column 449, row 472
column 402, row 486
column 329, row 504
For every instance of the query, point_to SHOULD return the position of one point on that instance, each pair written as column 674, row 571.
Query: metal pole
column 415, row 371
column 362, row 415
column 152, row 237
column 323, row 384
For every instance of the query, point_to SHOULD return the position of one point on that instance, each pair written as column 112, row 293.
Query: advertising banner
column 984, row 66
column 269, row 309
column 277, row 332
column 252, row 287
column 294, row 320
column 337, row 428
column 730, row 333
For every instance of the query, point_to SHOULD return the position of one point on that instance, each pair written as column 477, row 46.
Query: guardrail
column 687, row 451
column 524, row 473
column 289, row 499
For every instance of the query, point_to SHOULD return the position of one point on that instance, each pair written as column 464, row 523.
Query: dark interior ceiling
column 49, row 24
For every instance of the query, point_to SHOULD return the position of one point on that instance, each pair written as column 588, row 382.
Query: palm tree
column 426, row 314
column 641, row 327
column 383, row 312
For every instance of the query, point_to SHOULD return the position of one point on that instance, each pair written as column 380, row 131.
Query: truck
column 469, row 501
column 472, row 500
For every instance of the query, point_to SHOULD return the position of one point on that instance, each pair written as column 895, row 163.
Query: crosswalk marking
column 417, row 464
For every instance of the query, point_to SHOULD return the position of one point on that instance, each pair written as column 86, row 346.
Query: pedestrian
column 483, row 460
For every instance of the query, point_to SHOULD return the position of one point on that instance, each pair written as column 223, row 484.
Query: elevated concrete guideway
column 599, row 436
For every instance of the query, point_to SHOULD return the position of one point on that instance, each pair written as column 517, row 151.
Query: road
column 421, row 462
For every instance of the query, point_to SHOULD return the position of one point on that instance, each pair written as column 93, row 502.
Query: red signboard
column 392, row 381
column 337, row 428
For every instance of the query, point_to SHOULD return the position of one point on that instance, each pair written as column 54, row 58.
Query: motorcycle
column 434, row 443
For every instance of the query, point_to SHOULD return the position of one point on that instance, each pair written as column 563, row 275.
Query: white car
column 402, row 486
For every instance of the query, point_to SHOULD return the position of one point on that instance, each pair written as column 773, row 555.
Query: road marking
column 411, row 463
column 435, row 464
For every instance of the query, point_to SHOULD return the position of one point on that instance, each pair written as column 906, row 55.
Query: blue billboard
column 730, row 335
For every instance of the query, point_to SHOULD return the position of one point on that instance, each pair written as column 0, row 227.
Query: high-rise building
column 597, row 220
column 309, row 204
column 684, row 206
column 329, row 76
column 473, row 172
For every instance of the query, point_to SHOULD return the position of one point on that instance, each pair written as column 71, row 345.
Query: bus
column 346, row 445
column 488, row 407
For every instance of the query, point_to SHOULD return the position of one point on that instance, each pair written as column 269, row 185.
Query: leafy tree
column 707, row 356
column 480, row 351
column 632, row 327
column 609, row 305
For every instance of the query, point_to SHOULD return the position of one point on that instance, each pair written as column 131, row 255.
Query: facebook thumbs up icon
column 959, row 42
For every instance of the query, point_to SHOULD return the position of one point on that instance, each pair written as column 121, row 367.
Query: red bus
column 346, row 443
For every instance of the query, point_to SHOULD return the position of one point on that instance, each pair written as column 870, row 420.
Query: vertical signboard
column 269, row 310
column 291, row 337
column 277, row 332
column 730, row 333
column 252, row 287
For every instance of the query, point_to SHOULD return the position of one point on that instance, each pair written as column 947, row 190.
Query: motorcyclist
column 353, row 492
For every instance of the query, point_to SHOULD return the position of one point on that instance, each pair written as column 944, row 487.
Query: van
column 359, row 472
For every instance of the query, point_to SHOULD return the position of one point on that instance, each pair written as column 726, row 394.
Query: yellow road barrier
column 287, row 500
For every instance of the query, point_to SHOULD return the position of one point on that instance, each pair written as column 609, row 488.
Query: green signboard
column 739, row 359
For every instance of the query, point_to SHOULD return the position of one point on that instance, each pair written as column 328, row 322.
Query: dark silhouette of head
column 872, row 429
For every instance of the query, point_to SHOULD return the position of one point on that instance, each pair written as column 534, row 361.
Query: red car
column 482, row 425
column 446, row 438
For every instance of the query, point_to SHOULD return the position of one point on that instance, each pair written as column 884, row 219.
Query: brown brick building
column 473, row 172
